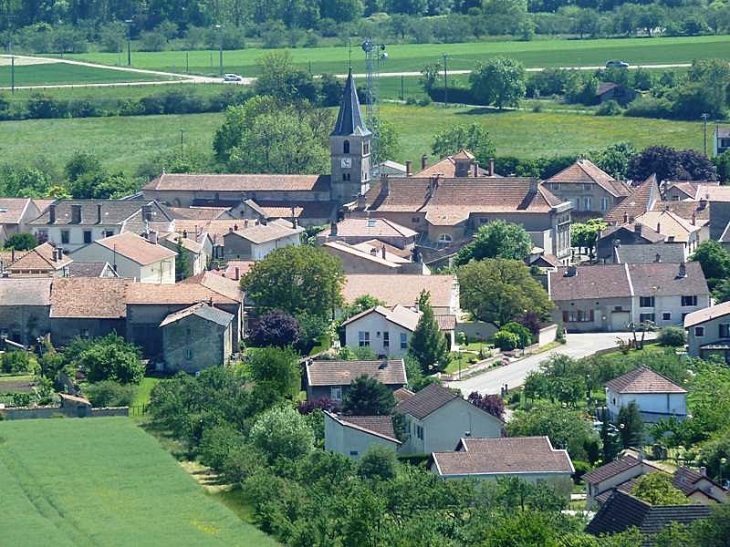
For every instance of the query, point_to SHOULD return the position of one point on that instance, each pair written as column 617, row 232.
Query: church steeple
column 349, row 118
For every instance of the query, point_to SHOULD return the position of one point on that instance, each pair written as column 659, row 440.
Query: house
column 196, row 337
column 24, row 308
column 354, row 435
column 592, row 192
column 604, row 480
column 360, row 230
column 708, row 332
column 612, row 241
column 446, row 210
column 235, row 269
column 254, row 240
column 610, row 91
column 72, row 224
column 193, row 251
column 698, row 487
column 405, row 290
column 657, row 397
column 45, row 260
column 531, row 459
column 461, row 164
column 437, row 419
column 609, row 297
column 674, row 228
column 696, row 213
column 132, row 257
column 14, row 214
column 87, row 307
column 332, row 378
column 642, row 199
column 720, row 140
column 681, row 190
column 623, row 511
column 646, row 254
column 386, row 330
column 372, row 260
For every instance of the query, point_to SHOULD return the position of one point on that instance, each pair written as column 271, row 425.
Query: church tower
column 350, row 148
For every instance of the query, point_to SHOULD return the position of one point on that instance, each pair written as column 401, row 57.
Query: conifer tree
column 428, row 345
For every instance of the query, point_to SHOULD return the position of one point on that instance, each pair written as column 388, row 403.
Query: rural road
column 577, row 346
column 176, row 78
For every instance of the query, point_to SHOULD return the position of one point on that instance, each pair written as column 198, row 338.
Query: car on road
column 617, row 64
column 232, row 78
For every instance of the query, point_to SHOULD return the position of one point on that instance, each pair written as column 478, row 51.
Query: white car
column 232, row 78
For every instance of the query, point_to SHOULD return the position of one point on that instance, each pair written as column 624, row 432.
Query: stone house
column 437, row 419
column 360, row 230
column 14, row 214
column 255, row 241
column 194, row 251
column 196, row 338
column 132, row 257
column 657, row 397
column 24, row 308
column 354, row 435
column 708, row 332
column 531, row 459
column 332, row 378
column 365, row 258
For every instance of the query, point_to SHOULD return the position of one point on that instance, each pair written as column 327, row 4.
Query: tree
column 368, row 397
column 672, row 336
column 428, row 344
column 713, row 531
column 297, row 280
column 279, row 78
column 614, row 159
column 499, row 291
column 276, row 328
column 378, row 462
column 497, row 239
column 499, row 81
column 110, row 393
column 182, row 263
column 610, row 441
column 715, row 261
column 493, row 404
column 631, row 425
column 505, row 340
column 472, row 137
column 389, row 140
column 670, row 164
column 82, row 163
column 276, row 370
column 281, row 432
column 586, row 234
column 111, row 358
column 360, row 304
column 657, row 489
column 21, row 242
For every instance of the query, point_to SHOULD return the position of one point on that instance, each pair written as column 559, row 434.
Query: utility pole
column 402, row 89
column 187, row 62
column 12, row 75
column 446, row 90
column 220, row 50
column 129, row 41
column 704, row 123
column 182, row 140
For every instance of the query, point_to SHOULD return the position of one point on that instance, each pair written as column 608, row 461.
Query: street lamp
column 129, row 41
column 220, row 50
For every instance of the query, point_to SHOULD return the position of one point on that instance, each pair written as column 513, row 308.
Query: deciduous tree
column 497, row 239
column 472, row 137
column 368, row 397
column 499, row 81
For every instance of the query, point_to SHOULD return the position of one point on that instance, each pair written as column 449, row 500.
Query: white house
column 254, row 241
column 708, row 332
column 438, row 419
column 14, row 213
column 132, row 256
column 353, row 435
column 657, row 397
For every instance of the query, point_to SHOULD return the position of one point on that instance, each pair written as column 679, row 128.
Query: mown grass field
column 104, row 482
column 63, row 73
column 126, row 143
column 412, row 57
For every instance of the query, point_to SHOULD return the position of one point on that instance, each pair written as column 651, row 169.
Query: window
column 346, row 177
column 604, row 204
column 363, row 338
column 87, row 236
column 618, row 308
column 386, row 339
column 644, row 317
column 578, row 316
column 365, row 148
column 587, row 187
column 646, row 301
column 188, row 354
column 725, row 330
column 689, row 300
column 64, row 237
column 444, row 240
column 403, row 340
column 419, row 432
column 346, row 147
column 699, row 332
column 587, row 204
column 666, row 316
column 108, row 233
column 354, row 452
column 336, row 393
column 415, row 220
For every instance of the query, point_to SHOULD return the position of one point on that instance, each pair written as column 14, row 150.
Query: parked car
column 232, row 78
column 617, row 64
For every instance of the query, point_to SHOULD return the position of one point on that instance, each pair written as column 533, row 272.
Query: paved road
column 577, row 346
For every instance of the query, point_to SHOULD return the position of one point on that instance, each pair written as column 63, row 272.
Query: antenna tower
column 374, row 53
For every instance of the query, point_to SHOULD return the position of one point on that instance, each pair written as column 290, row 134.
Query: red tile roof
column 401, row 289
column 700, row 316
column 380, row 426
column 641, row 200
column 584, row 171
column 643, row 380
column 590, row 282
column 341, row 373
column 136, row 248
column 426, row 401
column 238, row 183
column 89, row 297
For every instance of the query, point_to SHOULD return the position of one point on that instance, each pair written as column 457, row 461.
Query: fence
column 138, row 410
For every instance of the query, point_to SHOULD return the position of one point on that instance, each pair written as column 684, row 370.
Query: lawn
column 62, row 73
column 126, row 143
column 107, row 483
column 142, row 397
column 413, row 57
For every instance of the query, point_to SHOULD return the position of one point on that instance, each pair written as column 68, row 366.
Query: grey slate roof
column 426, row 401
column 202, row 310
column 25, row 291
column 662, row 279
column 349, row 118
column 113, row 212
column 86, row 269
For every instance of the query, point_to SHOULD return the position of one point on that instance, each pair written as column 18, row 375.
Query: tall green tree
column 472, row 137
column 428, row 344
column 368, row 397
column 715, row 261
column 498, row 239
column 276, row 370
column 586, row 234
column 631, row 425
column 182, row 263
column 110, row 358
column 499, row 81
column 281, row 432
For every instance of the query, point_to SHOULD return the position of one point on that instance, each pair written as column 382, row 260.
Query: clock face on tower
column 346, row 163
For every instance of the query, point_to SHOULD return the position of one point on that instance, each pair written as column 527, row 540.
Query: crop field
column 413, row 57
column 104, row 482
column 64, row 73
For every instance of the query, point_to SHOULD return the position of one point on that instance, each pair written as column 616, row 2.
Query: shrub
column 493, row 404
column 673, row 337
column 21, row 242
column 276, row 328
column 281, row 432
column 320, row 403
column 379, row 462
column 609, row 108
column 14, row 362
column 110, row 393
column 522, row 332
column 505, row 340
column 581, row 468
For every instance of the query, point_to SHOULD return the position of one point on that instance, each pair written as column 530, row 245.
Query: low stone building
column 24, row 308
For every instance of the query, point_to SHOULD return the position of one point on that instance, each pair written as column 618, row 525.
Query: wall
column 24, row 323
column 209, row 344
column 76, row 234
column 476, row 330
column 376, row 325
column 671, row 305
column 547, row 335
column 604, row 307
column 348, row 441
column 612, row 482
column 667, row 404
column 64, row 330
column 158, row 272
column 577, row 194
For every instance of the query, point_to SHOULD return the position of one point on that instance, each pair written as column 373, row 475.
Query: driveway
column 577, row 346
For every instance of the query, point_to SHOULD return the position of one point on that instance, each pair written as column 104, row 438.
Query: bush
column 609, row 108
column 673, row 337
column 379, row 462
column 505, row 340
column 21, row 242
column 648, row 107
column 14, row 362
column 109, row 358
column 110, row 393
column 276, row 328
column 522, row 332
column 581, row 468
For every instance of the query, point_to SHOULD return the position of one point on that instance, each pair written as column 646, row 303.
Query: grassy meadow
column 104, row 482
column 63, row 74
column 412, row 57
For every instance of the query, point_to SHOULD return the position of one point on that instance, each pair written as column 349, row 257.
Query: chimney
column 462, row 167
column 185, row 234
column 703, row 471
column 658, row 258
column 76, row 216
column 572, row 271
column 235, row 226
column 98, row 213
column 12, row 255
column 409, row 168
column 384, row 185
column 237, row 273
column 658, row 227
column 384, row 363
column 694, row 219
column 424, row 162
column 703, row 204
column 626, row 217
column 361, row 202
column 533, row 185
column 490, row 171
column 383, row 251
column 52, row 213
column 617, row 243
column 682, row 270
column 152, row 237
column 333, row 229
column 230, row 229
column 475, row 169
column 147, row 213
column 638, row 229
column 374, row 251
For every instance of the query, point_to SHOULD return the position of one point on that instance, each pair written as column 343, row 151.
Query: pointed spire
column 349, row 118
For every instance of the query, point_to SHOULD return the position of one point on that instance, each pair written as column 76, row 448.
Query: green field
column 104, row 482
column 126, row 143
column 63, row 73
column 412, row 57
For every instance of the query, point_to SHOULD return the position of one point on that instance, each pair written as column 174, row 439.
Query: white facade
column 349, row 441
column 72, row 237
column 442, row 430
column 667, row 310
column 653, row 406
column 162, row 271
column 375, row 331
